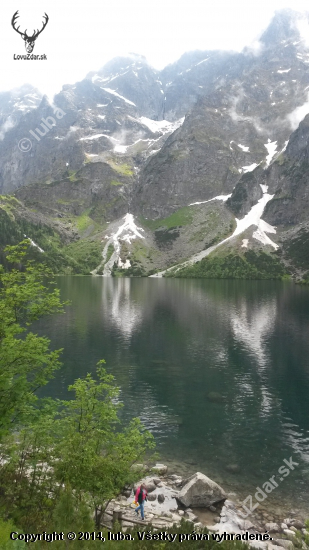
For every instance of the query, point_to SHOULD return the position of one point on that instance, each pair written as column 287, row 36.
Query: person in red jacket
column 140, row 497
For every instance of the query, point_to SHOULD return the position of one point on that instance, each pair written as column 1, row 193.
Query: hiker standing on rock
column 140, row 497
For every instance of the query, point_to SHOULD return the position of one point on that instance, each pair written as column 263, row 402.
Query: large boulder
column 200, row 491
column 159, row 469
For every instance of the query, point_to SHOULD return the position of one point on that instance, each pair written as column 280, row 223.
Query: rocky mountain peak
column 283, row 27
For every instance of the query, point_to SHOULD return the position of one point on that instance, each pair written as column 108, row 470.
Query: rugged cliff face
column 213, row 148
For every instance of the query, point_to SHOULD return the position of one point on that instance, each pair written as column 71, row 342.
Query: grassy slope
column 85, row 254
column 77, row 257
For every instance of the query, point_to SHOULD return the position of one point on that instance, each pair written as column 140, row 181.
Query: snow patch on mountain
column 113, row 92
column 260, row 234
column 218, row 198
column 250, row 168
column 163, row 126
column 125, row 232
column 271, row 147
column 244, row 148
column 121, row 148
column 200, row 62
column 252, row 218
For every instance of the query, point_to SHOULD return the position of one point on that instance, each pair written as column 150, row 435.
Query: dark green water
column 170, row 343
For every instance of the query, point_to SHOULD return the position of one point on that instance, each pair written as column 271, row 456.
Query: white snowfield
column 244, row 148
column 250, row 168
column 271, row 149
column 121, row 148
column 252, row 218
column 113, row 92
column 155, row 126
column 95, row 136
column 125, row 232
column 218, row 198
column 163, row 126
column 124, row 148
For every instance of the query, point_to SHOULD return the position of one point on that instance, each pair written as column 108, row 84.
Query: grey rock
column 298, row 524
column 272, row 527
column 229, row 515
column 151, row 497
column 156, row 480
column 150, row 486
column 200, row 491
column 287, row 544
column 289, row 533
column 160, row 469
column 161, row 498
column 190, row 516
column 212, row 508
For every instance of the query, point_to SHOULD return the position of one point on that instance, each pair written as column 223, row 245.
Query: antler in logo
column 29, row 40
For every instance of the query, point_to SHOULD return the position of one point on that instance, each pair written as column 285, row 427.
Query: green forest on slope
column 250, row 265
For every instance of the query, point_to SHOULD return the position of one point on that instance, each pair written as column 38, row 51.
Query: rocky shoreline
column 203, row 503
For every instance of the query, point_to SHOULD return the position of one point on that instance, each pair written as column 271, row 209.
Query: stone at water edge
column 298, row 524
column 200, row 491
column 161, row 498
column 156, row 480
column 160, row 469
column 150, row 486
column 151, row 497
column 272, row 527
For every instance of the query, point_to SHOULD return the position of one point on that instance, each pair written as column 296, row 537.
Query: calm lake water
column 171, row 343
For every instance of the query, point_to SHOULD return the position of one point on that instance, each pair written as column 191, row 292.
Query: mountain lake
column 217, row 370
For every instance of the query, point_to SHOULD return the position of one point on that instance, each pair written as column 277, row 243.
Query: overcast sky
column 83, row 36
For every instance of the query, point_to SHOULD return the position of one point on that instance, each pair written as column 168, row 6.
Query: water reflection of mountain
column 217, row 369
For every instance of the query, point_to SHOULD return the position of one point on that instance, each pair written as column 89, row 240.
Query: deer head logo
column 29, row 40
